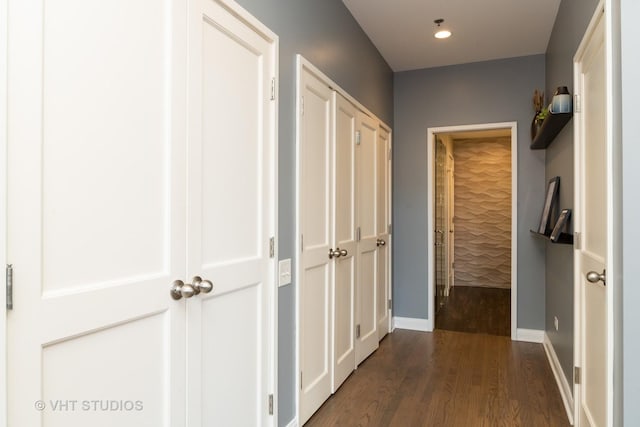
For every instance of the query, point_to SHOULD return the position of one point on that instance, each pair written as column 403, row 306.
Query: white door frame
column 604, row 11
column 431, row 132
column 3, row 206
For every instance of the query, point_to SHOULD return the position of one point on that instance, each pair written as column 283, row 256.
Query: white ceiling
column 483, row 30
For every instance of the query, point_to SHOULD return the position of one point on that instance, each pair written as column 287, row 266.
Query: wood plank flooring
column 475, row 309
column 448, row 378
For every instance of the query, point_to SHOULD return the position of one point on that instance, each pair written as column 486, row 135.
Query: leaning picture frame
column 550, row 201
column 561, row 224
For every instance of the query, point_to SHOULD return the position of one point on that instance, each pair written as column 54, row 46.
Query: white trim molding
column 293, row 422
column 529, row 335
column 561, row 379
column 431, row 132
column 412, row 324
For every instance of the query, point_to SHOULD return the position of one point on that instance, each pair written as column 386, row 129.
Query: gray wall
column 630, row 69
column 484, row 92
column 571, row 23
column 326, row 34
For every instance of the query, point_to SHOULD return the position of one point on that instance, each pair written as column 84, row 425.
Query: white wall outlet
column 284, row 272
column 555, row 322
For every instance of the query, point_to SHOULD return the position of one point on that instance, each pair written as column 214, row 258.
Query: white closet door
column 96, row 218
column 367, row 261
column 382, row 226
column 344, row 240
column 316, row 269
column 230, row 330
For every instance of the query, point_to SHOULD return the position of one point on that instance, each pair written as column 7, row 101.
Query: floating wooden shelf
column 551, row 126
column 564, row 238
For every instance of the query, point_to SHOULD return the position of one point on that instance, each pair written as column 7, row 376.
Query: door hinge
column 273, row 88
column 577, row 242
column 272, row 247
column 389, row 228
column 576, row 103
column 271, row 404
column 302, row 243
column 357, row 331
column 9, row 276
column 576, row 375
column 358, row 234
column 300, row 380
column 302, row 105
column 389, row 154
column 357, row 137
column 390, row 301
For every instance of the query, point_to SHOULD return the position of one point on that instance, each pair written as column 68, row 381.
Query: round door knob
column 334, row 253
column 343, row 252
column 181, row 290
column 595, row 277
column 205, row 286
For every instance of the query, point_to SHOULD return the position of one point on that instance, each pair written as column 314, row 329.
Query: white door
column 344, row 241
column 230, row 330
column 316, row 268
column 593, row 179
column 383, row 293
column 367, row 261
column 96, row 217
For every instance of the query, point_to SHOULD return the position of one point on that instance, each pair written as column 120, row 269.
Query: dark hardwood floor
column 448, row 378
column 477, row 310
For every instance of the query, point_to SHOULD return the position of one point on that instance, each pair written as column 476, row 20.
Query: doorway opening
column 472, row 218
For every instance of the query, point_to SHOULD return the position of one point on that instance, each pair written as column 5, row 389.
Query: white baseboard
column 530, row 335
column 561, row 379
column 412, row 324
column 293, row 422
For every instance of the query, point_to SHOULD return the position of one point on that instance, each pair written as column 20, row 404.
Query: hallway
column 448, row 379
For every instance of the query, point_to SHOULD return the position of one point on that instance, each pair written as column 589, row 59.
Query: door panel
column 367, row 260
column 316, row 210
column 592, row 222
column 96, row 219
column 345, row 217
column 231, row 218
column 382, row 225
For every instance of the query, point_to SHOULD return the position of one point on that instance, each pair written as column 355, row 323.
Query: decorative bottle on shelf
column 561, row 102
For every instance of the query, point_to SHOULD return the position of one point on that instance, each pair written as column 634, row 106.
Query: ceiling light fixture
column 441, row 33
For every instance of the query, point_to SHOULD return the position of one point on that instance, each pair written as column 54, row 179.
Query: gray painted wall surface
column 326, row 34
column 484, row 92
column 630, row 69
column 571, row 23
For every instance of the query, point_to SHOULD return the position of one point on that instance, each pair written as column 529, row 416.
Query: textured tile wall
column 482, row 215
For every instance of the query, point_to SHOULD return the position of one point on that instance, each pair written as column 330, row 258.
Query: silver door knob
column 179, row 289
column 343, row 252
column 335, row 253
column 205, row 286
column 200, row 285
column 595, row 277
column 380, row 242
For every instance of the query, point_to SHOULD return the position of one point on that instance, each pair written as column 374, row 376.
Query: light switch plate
column 284, row 272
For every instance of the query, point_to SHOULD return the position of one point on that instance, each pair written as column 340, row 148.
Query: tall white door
column 231, row 218
column 592, row 182
column 119, row 186
column 344, row 241
column 367, row 261
column 96, row 217
column 383, row 292
column 316, row 268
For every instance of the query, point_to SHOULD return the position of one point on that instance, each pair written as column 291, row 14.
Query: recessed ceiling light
column 441, row 33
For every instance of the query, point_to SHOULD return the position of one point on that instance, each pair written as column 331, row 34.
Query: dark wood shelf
column 564, row 238
column 551, row 126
